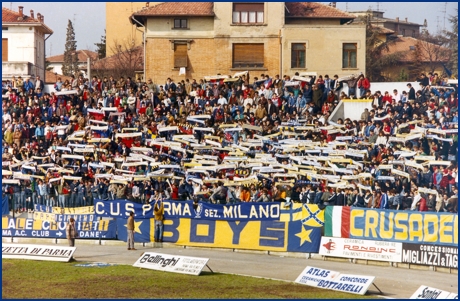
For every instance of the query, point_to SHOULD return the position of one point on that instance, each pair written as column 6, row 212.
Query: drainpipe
column 281, row 53
column 144, row 34
column 44, row 56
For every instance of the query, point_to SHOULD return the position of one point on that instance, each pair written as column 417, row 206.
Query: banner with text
column 68, row 210
column 27, row 227
column 426, row 292
column 171, row 263
column 397, row 226
column 54, row 217
column 37, row 252
column 431, row 255
column 361, row 249
column 174, row 209
column 298, row 229
column 355, row 284
column 251, row 235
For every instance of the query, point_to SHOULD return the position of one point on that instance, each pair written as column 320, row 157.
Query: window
column 298, row 55
column 4, row 28
column 180, row 55
column 349, row 55
column 403, row 32
column 244, row 13
column 413, row 33
column 248, row 55
column 180, row 23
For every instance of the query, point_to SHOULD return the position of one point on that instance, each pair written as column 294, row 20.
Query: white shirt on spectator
column 222, row 101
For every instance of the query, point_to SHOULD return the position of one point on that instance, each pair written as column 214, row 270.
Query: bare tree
column 126, row 60
column 433, row 52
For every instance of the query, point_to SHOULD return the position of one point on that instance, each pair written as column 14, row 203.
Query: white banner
column 334, row 280
column 37, row 252
column 361, row 249
column 171, row 263
column 426, row 292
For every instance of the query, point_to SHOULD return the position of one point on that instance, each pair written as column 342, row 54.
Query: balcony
column 23, row 69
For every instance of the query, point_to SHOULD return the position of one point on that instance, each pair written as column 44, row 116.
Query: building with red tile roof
column 23, row 43
column 56, row 61
column 415, row 56
column 206, row 38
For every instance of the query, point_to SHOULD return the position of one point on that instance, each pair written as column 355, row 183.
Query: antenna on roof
column 11, row 5
column 444, row 17
column 346, row 6
column 437, row 24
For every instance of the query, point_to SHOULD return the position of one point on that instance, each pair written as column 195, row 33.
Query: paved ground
column 394, row 282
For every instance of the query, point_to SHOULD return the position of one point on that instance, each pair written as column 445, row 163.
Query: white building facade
column 23, row 44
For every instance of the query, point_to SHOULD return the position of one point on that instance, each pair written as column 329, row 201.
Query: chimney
column 397, row 19
column 21, row 13
column 42, row 19
column 39, row 15
column 406, row 20
column 147, row 4
column 334, row 4
column 32, row 13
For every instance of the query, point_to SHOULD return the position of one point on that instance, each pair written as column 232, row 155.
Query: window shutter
column 180, row 55
column 248, row 55
column 4, row 50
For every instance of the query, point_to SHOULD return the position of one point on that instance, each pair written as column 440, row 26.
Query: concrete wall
column 350, row 108
column 26, row 44
column 164, row 28
column 390, row 86
column 324, row 47
column 57, row 68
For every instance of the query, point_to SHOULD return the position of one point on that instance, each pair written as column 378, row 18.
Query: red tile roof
column 314, row 10
column 10, row 16
column 402, row 45
column 82, row 56
column 178, row 9
column 51, row 78
column 382, row 30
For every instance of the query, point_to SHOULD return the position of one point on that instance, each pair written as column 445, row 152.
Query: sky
column 88, row 18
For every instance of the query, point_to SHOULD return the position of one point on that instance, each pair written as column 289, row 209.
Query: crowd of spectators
column 106, row 138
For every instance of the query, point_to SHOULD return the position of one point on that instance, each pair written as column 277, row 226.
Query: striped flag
column 337, row 221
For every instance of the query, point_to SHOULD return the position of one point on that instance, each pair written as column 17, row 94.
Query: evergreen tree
column 452, row 42
column 377, row 57
column 101, row 47
column 70, row 65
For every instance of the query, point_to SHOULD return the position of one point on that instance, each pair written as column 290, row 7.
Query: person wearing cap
column 71, row 232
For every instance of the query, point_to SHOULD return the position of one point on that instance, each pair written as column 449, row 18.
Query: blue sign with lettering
column 173, row 209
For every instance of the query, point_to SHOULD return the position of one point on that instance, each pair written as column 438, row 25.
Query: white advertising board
column 361, row 249
column 355, row 284
column 426, row 292
column 171, row 263
column 37, row 252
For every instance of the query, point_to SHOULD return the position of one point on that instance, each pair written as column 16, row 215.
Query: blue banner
column 404, row 226
column 143, row 230
column 173, row 209
column 292, row 236
column 5, row 205
column 27, row 227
